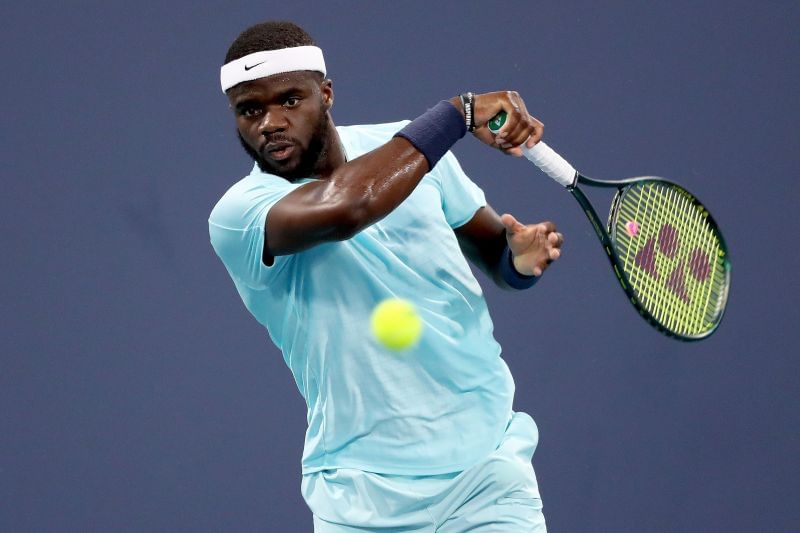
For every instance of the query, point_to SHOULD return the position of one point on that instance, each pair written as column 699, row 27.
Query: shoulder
column 386, row 129
column 366, row 137
column 246, row 198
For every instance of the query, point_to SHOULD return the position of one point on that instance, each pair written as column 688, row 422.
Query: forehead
column 274, row 85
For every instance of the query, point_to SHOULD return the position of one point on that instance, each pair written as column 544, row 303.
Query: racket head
column 671, row 257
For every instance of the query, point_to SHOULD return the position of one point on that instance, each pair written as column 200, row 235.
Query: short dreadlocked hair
column 270, row 35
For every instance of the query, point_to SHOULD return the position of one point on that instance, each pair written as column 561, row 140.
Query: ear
column 326, row 89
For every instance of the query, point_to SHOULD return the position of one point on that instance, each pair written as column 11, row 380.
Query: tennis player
column 331, row 221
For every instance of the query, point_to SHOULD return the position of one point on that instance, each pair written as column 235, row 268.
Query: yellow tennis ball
column 396, row 324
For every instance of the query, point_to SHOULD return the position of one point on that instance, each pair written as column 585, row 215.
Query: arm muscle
column 356, row 195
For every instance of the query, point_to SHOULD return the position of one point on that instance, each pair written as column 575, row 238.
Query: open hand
column 533, row 246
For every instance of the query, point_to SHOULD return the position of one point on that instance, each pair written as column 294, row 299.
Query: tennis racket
column 665, row 248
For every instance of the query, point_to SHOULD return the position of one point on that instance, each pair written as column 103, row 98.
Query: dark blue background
column 137, row 394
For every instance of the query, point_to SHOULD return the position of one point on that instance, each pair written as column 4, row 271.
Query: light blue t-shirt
column 438, row 407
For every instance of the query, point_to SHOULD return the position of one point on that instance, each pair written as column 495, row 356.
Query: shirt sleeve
column 461, row 197
column 236, row 229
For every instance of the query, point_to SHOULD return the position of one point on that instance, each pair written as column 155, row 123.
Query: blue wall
column 137, row 393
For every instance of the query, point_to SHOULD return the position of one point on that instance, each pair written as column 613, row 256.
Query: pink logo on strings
column 668, row 244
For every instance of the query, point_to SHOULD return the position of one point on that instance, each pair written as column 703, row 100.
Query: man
column 330, row 222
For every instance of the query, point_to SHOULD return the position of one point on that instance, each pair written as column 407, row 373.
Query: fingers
column 512, row 224
column 528, row 133
column 534, row 246
column 520, row 127
column 543, row 231
column 536, row 136
column 534, row 130
column 553, row 254
column 554, row 241
column 547, row 226
column 555, row 238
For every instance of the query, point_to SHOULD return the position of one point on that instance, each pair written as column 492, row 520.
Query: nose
column 274, row 121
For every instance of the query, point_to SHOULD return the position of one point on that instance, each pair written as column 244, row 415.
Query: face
column 282, row 121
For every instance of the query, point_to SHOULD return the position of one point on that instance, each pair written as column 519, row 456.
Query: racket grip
column 551, row 163
column 542, row 156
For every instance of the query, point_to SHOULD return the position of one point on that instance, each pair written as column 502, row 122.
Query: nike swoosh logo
column 253, row 66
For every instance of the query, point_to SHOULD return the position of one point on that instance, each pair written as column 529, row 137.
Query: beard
column 310, row 158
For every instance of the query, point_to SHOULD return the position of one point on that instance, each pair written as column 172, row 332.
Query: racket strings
column 676, row 314
column 672, row 256
column 704, row 239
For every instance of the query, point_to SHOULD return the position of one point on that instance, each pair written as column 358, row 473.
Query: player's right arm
column 355, row 195
column 360, row 192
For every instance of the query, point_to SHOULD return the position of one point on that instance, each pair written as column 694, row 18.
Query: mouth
column 278, row 151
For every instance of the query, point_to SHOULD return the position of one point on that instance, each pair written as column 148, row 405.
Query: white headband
column 269, row 62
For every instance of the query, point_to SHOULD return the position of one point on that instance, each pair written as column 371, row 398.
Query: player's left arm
column 485, row 237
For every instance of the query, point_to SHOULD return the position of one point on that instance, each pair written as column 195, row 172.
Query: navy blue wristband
column 510, row 274
column 435, row 131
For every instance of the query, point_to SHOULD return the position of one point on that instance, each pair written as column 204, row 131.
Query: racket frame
column 606, row 235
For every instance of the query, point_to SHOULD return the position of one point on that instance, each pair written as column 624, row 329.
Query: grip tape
column 542, row 156
column 551, row 163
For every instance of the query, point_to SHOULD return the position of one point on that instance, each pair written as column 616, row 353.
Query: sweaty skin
column 284, row 122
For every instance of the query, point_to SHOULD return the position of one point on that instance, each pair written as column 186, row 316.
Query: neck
column 333, row 155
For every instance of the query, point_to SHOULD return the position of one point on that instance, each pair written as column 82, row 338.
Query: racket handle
column 542, row 156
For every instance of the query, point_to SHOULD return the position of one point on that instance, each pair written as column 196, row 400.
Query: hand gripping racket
column 667, row 252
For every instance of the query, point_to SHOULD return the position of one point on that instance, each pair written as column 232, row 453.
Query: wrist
column 435, row 131
column 456, row 101
column 468, row 105
column 465, row 103
column 511, row 275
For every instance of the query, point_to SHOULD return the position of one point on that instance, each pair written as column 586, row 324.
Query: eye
column 249, row 111
column 292, row 101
